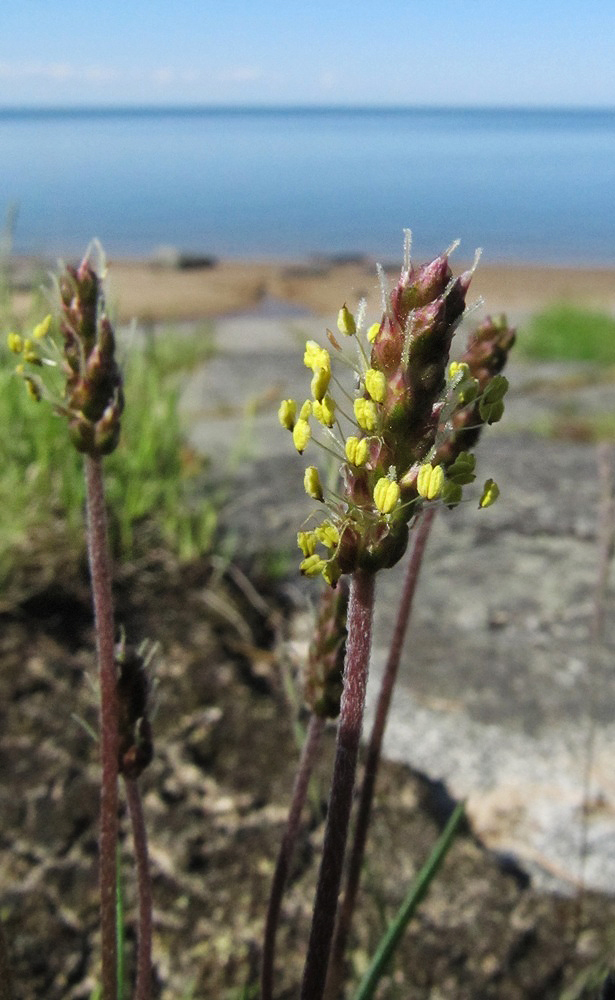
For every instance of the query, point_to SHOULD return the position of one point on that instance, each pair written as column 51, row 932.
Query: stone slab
column 501, row 695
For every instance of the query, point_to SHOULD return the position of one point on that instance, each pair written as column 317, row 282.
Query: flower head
column 412, row 420
column 91, row 397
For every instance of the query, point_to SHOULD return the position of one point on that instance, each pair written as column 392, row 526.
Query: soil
column 215, row 799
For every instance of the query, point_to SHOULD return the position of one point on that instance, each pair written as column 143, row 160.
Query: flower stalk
column 322, row 692
column 360, row 615
column 309, row 755
column 100, row 573
column 374, row 751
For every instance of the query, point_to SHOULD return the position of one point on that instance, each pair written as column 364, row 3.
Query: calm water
column 524, row 185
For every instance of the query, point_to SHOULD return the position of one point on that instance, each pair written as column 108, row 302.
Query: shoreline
column 152, row 292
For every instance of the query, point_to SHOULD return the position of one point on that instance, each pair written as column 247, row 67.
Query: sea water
column 526, row 185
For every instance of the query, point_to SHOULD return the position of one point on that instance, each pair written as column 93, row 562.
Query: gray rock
column 501, row 695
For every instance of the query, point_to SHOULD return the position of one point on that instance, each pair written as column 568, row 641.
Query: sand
column 150, row 292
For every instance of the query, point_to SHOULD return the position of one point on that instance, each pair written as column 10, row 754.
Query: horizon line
column 221, row 108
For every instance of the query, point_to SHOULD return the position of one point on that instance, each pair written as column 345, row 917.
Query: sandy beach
column 151, row 292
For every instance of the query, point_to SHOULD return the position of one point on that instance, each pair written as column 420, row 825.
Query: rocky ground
column 215, row 799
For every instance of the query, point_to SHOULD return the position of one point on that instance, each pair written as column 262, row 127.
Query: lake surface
column 288, row 183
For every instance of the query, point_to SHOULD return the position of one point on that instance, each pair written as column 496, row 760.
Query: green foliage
column 565, row 333
column 152, row 479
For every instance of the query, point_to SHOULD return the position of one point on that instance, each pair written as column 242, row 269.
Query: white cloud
column 163, row 76
column 35, row 70
column 55, row 80
column 240, row 74
column 53, row 71
column 95, row 74
column 328, row 80
column 101, row 74
column 60, row 71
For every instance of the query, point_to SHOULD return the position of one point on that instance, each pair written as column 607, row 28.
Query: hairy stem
column 287, row 847
column 374, row 750
column 100, row 572
column 358, row 646
column 144, row 937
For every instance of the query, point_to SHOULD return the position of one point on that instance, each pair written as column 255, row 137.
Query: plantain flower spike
column 91, row 398
column 135, row 747
column 405, row 440
column 483, row 361
column 93, row 394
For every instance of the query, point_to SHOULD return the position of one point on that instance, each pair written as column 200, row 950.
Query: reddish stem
column 100, row 572
column 360, row 613
column 287, row 847
column 374, row 751
column 144, row 937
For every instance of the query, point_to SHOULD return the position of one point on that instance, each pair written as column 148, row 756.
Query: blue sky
column 436, row 52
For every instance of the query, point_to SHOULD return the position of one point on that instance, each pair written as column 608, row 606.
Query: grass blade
column 407, row 909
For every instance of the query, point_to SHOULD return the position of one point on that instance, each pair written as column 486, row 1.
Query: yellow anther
column 316, row 357
column 356, row 450
column 491, row 492
column 313, row 565
column 306, row 540
column 325, row 411
column 32, row 357
column 373, row 332
column 386, row 494
column 430, row 481
column 328, row 534
column 458, row 368
column 42, row 329
column 312, row 484
column 287, row 413
column 366, row 414
column 376, row 384
column 345, row 321
column 15, row 343
column 320, row 383
column 306, row 410
column 301, row 435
